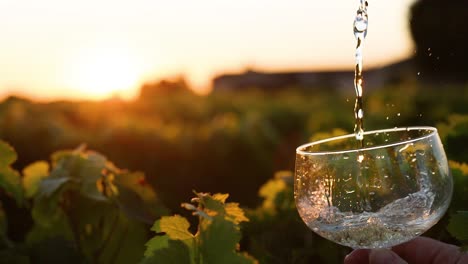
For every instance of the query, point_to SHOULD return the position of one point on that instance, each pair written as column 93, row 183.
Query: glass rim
column 300, row 150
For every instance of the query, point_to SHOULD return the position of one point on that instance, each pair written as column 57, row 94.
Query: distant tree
column 440, row 32
column 164, row 87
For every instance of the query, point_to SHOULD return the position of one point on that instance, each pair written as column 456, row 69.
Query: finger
column 426, row 250
column 358, row 256
column 385, row 256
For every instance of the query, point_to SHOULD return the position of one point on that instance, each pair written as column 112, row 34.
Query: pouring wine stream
column 360, row 32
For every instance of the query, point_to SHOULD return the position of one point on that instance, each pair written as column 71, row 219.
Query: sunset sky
column 91, row 49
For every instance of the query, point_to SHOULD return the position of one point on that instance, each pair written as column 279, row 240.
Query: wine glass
column 393, row 189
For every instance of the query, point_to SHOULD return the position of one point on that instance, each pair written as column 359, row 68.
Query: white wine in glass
column 393, row 189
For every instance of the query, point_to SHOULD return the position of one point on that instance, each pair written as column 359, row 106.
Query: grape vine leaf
column 90, row 171
column 136, row 197
column 176, row 246
column 32, row 176
column 235, row 213
column 215, row 242
column 10, row 180
column 277, row 193
column 161, row 249
column 50, row 186
column 7, row 154
column 176, row 227
column 82, row 201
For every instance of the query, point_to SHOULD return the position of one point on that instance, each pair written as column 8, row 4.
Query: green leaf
column 50, row 186
column 10, row 180
column 7, row 154
column 215, row 242
column 32, row 176
column 176, row 227
column 161, row 249
column 176, row 246
column 46, row 210
column 137, row 198
column 89, row 171
column 218, row 240
column 127, row 245
column 211, row 205
column 458, row 225
column 155, row 244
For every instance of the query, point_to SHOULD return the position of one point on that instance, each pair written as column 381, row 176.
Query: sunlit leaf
column 32, row 176
column 221, row 197
column 212, row 206
column 136, row 181
column 176, row 227
column 269, row 191
column 215, row 242
column 235, row 213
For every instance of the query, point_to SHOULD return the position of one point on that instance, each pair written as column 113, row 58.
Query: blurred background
column 215, row 96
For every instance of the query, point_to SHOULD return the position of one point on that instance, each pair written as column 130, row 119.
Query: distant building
column 342, row 81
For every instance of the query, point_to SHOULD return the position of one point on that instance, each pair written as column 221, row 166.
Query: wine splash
column 360, row 32
column 395, row 223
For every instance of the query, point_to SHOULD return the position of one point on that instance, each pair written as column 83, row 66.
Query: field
column 220, row 143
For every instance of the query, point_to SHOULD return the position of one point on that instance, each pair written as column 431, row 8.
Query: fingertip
column 357, row 256
column 385, row 256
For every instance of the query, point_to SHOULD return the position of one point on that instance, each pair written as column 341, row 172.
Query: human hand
column 421, row 250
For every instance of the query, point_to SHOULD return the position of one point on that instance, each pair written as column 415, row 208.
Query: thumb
column 385, row 256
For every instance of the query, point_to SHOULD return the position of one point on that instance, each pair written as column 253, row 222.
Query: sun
column 102, row 72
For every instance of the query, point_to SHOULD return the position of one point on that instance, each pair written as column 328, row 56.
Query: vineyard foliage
column 79, row 207
column 82, row 204
column 215, row 241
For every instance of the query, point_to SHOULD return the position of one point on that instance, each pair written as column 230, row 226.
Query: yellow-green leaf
column 7, row 154
column 156, row 243
column 176, row 227
column 235, row 213
column 269, row 191
column 32, row 176
column 221, row 197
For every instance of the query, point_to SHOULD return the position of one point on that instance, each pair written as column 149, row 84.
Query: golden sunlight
column 104, row 72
